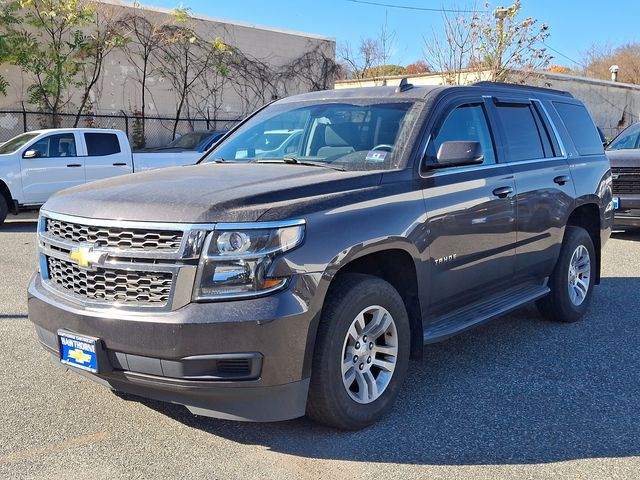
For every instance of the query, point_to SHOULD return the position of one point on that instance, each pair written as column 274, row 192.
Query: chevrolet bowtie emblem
column 85, row 256
column 79, row 356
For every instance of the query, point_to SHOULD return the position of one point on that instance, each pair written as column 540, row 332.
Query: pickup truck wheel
column 572, row 279
column 361, row 353
column 4, row 209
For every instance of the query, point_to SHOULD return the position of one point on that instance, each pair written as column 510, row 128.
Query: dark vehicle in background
column 624, row 156
column 192, row 141
column 263, row 288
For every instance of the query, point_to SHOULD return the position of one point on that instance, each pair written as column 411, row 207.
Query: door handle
column 120, row 164
column 74, row 165
column 561, row 180
column 503, row 192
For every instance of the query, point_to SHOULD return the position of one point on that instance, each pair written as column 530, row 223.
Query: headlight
column 236, row 259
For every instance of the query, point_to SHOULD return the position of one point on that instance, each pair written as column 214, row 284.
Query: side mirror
column 458, row 153
column 31, row 154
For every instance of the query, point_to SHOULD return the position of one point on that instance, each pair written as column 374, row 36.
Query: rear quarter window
column 581, row 128
column 101, row 144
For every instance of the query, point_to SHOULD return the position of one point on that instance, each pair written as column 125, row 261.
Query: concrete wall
column 613, row 105
column 119, row 89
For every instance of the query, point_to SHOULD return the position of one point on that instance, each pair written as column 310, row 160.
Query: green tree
column 46, row 44
column 7, row 21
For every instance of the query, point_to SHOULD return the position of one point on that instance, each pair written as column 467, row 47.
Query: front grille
column 113, row 237
column 111, row 285
column 628, row 181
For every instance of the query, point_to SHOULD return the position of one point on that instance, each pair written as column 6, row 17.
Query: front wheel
column 361, row 353
column 571, row 282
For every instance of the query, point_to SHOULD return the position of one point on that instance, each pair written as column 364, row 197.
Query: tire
column 4, row 209
column 357, row 300
column 561, row 305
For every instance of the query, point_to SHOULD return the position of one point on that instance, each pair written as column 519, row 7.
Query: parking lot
column 517, row 398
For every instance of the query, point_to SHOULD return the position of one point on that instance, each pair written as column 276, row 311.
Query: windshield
column 349, row 136
column 17, row 142
column 629, row 139
column 189, row 141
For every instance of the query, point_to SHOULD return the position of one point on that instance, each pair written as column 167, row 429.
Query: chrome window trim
column 563, row 150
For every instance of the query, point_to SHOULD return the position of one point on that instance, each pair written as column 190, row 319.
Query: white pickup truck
column 37, row 164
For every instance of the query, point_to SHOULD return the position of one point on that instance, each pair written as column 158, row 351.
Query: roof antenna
column 404, row 85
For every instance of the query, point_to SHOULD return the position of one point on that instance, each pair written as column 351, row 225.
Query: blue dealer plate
column 616, row 203
column 78, row 351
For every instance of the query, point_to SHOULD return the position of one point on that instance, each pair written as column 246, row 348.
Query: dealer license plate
column 78, row 351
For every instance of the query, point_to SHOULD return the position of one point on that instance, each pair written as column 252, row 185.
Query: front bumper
column 176, row 356
column 627, row 218
column 628, row 213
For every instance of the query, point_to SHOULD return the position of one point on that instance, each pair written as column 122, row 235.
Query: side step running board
column 469, row 316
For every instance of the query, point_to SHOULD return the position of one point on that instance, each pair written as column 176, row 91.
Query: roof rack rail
column 524, row 87
column 404, row 85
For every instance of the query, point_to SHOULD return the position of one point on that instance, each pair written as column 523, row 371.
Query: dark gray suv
column 258, row 287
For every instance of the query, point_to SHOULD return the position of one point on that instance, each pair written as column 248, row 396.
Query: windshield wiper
column 291, row 160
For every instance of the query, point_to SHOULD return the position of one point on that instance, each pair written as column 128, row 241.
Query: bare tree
column 104, row 36
column 453, row 52
column 495, row 46
column 183, row 63
column 209, row 94
column 372, row 57
column 145, row 38
column 255, row 80
column 360, row 61
column 314, row 70
column 598, row 59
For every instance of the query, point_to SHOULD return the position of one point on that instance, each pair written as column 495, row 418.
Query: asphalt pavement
column 519, row 398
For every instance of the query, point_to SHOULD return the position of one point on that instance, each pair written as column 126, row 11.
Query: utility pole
column 499, row 14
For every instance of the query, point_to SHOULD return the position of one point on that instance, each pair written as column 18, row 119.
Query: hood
column 207, row 193
column 624, row 158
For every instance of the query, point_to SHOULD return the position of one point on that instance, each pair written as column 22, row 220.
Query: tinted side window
column 467, row 122
column 581, row 128
column 627, row 140
column 521, row 132
column 101, row 144
column 53, row 146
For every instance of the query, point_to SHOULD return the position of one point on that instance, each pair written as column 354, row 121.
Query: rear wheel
column 4, row 209
column 571, row 282
column 361, row 353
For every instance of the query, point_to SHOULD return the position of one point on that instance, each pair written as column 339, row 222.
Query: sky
column 575, row 25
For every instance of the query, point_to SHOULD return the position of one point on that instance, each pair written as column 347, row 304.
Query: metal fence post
column 126, row 122
column 24, row 118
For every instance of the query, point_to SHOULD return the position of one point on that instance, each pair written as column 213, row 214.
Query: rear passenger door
column 104, row 156
column 470, row 213
column 544, row 186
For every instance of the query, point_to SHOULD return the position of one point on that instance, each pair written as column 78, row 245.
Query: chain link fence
column 157, row 130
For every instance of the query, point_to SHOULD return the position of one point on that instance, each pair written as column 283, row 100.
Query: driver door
column 50, row 164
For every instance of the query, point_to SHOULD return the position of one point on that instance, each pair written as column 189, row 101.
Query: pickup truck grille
column 627, row 181
column 121, row 238
column 111, row 285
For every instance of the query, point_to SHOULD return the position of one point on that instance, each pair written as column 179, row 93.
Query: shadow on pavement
column 518, row 390
column 19, row 226
column 628, row 234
